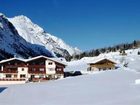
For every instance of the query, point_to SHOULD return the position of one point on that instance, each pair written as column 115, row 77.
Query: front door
column 32, row 77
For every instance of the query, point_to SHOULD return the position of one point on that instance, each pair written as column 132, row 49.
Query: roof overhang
column 47, row 58
column 97, row 61
column 34, row 58
column 11, row 59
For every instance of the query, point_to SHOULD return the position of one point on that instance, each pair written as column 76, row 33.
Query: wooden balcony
column 36, row 72
column 36, row 66
column 36, row 69
column 15, row 66
column 8, row 71
column 59, row 70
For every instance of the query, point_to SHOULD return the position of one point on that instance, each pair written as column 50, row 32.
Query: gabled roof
column 34, row 58
column 52, row 59
column 11, row 59
column 102, row 59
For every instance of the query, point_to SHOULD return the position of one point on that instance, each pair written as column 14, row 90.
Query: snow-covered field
column 114, row 87
column 105, row 88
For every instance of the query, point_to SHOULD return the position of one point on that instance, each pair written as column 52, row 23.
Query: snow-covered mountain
column 11, row 43
column 36, row 35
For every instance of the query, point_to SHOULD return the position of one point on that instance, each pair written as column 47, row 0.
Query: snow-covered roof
column 58, row 61
column 7, row 60
column 52, row 59
column 100, row 59
column 34, row 58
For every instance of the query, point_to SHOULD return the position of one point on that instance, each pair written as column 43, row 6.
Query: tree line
column 95, row 52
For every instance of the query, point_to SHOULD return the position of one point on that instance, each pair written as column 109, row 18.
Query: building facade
column 33, row 69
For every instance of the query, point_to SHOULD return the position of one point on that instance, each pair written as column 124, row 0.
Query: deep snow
column 105, row 88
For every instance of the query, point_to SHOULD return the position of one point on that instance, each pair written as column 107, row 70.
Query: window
column 8, row 75
column 51, row 69
column 22, row 69
column 41, row 69
column 104, row 68
column 15, row 76
column 33, row 69
column 22, row 76
column 50, row 63
column 59, row 69
column 32, row 76
column 41, row 76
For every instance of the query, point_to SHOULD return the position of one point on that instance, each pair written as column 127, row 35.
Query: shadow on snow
column 2, row 89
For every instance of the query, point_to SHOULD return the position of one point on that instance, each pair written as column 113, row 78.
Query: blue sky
column 86, row 24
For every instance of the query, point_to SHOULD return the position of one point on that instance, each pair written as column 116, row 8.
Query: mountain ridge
column 12, row 44
column 36, row 35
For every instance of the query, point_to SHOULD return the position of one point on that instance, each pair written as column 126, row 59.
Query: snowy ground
column 117, row 87
column 105, row 88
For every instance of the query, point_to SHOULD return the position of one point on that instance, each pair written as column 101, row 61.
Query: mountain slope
column 13, row 44
column 36, row 35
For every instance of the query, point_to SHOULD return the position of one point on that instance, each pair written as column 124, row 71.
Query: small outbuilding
column 102, row 64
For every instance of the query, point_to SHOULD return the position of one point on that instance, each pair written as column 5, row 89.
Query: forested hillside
column 120, row 47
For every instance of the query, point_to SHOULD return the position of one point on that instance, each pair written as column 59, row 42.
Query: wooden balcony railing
column 36, row 66
column 15, row 66
column 36, row 71
column 8, row 71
